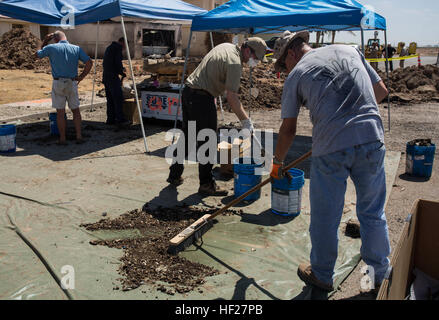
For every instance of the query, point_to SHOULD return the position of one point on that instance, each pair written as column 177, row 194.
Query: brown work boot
column 211, row 189
column 306, row 275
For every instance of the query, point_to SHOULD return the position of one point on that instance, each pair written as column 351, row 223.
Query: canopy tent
column 272, row 16
column 51, row 12
column 262, row 16
column 77, row 12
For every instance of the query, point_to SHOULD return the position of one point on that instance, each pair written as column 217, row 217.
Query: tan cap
column 281, row 45
column 259, row 46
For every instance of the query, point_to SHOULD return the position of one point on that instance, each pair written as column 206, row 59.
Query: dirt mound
column 218, row 38
column 146, row 259
column 266, row 82
column 413, row 84
column 18, row 48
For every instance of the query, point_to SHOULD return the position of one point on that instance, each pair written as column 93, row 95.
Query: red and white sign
column 160, row 105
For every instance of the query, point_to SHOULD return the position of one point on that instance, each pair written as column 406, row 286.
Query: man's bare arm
column 235, row 104
column 287, row 132
column 380, row 91
column 46, row 40
column 85, row 72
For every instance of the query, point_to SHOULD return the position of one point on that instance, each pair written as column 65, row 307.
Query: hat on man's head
column 259, row 46
column 281, row 45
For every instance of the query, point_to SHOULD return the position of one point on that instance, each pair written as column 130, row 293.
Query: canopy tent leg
column 134, row 83
column 179, row 107
column 219, row 97
column 250, row 91
column 94, row 71
column 251, row 87
column 387, row 73
column 362, row 41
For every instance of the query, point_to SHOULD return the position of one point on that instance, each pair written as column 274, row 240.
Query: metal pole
column 94, row 72
column 251, row 86
column 362, row 41
column 134, row 83
column 250, row 91
column 219, row 97
column 388, row 78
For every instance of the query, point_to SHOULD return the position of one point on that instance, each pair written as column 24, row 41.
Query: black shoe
column 175, row 182
column 110, row 123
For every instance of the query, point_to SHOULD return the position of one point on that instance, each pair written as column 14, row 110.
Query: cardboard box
column 418, row 247
column 130, row 110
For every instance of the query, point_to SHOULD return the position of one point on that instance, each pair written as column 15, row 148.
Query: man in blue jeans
column 342, row 92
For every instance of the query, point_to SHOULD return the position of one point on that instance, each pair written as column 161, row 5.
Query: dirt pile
column 18, row 48
column 266, row 82
column 145, row 259
column 413, row 84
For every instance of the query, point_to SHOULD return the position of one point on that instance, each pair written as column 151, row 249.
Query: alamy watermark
column 368, row 20
column 367, row 282
column 202, row 147
column 68, row 280
column 68, row 20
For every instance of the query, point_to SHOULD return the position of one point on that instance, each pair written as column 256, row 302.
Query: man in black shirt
column 113, row 68
column 389, row 51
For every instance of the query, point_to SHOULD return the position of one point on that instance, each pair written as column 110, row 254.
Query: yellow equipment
column 400, row 46
column 412, row 48
column 373, row 49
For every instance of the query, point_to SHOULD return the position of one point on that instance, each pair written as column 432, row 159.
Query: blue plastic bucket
column 286, row 196
column 245, row 178
column 8, row 133
column 419, row 159
column 53, row 124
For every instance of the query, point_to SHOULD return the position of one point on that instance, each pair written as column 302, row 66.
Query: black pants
column 391, row 65
column 197, row 106
column 113, row 92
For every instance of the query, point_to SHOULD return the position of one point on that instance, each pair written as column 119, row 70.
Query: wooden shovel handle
column 259, row 186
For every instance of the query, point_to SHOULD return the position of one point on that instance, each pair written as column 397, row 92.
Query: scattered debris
column 145, row 259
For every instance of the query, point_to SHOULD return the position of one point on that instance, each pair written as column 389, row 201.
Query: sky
column 407, row 21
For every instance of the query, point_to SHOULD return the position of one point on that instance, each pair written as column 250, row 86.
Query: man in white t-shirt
column 341, row 91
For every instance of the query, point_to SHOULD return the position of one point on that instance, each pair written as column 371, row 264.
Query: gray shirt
column 336, row 84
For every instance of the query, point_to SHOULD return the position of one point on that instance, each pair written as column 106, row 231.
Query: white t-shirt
column 336, row 84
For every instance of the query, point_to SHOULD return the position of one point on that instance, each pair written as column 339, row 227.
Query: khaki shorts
column 65, row 90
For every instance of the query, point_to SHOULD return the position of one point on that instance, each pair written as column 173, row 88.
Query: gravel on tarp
column 145, row 259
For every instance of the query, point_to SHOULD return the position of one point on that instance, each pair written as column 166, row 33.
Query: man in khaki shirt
column 219, row 71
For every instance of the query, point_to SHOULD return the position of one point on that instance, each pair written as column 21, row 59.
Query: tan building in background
column 6, row 24
column 145, row 37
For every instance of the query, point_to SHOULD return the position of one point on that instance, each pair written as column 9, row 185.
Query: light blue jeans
column 329, row 173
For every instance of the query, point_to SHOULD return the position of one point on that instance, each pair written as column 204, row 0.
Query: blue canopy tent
column 69, row 13
column 272, row 16
column 268, row 16
column 51, row 12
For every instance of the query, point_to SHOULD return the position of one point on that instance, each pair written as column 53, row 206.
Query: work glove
column 277, row 169
column 248, row 124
